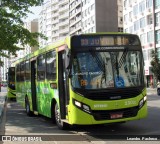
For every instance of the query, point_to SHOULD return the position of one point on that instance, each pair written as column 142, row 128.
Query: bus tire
column 61, row 125
column 27, row 107
column 158, row 91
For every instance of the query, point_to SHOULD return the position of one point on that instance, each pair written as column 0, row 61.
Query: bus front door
column 33, row 85
column 62, row 83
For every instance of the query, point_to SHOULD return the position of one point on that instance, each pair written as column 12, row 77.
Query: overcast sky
column 36, row 11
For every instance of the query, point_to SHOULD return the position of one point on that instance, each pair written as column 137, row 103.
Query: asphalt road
column 17, row 123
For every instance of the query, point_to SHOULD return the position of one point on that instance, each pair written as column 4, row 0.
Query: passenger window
column 41, row 68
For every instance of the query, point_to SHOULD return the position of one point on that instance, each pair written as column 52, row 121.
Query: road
column 17, row 123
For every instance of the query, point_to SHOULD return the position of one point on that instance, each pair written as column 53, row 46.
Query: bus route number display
column 105, row 41
column 90, row 42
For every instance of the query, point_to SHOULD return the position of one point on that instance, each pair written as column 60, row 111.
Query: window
column 136, row 25
column 51, row 65
column 149, row 19
column 27, row 75
column 149, row 3
column 150, row 36
column 141, row 6
column 143, row 38
column 150, row 54
column 41, row 67
column 158, row 37
column 157, row 4
column 158, row 19
column 145, row 55
column 142, row 22
column 18, row 73
column 135, row 9
column 22, row 71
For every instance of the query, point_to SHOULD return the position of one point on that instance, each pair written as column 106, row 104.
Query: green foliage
column 13, row 36
column 155, row 63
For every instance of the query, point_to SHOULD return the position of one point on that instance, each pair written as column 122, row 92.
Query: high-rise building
column 60, row 18
column 142, row 17
column 89, row 16
column 54, row 21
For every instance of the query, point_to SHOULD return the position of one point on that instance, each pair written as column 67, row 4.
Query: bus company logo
column 100, row 105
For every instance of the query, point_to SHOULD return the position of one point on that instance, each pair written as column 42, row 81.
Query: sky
column 36, row 11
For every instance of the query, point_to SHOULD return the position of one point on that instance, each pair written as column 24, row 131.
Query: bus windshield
column 11, row 78
column 101, row 70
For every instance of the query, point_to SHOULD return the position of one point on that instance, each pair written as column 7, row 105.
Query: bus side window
column 41, row 67
column 51, row 65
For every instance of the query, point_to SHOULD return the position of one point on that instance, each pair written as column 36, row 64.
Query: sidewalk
column 3, row 95
column 151, row 91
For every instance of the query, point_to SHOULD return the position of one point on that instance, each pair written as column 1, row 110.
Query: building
column 142, row 17
column 54, row 21
column 89, row 16
column 60, row 18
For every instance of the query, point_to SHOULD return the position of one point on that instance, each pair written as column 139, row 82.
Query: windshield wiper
column 121, row 61
column 117, row 67
column 100, row 64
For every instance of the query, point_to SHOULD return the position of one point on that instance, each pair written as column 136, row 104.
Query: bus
column 11, row 92
column 84, row 80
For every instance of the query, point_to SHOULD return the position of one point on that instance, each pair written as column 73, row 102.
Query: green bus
column 85, row 79
column 11, row 92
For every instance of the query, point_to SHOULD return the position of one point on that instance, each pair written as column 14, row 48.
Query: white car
column 158, row 88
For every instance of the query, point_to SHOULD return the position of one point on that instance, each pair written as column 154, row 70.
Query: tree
column 13, row 36
column 155, row 63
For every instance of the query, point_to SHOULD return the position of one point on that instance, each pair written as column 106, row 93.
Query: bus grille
column 112, row 95
column 106, row 114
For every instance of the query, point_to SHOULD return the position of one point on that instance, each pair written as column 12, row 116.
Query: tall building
column 60, row 18
column 32, row 26
column 54, row 21
column 142, row 17
column 89, row 16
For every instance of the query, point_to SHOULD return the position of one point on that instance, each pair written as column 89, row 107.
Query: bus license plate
column 116, row 115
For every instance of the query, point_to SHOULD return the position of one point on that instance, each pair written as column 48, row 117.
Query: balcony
column 63, row 8
column 64, row 31
column 55, row 21
column 73, row 22
column 62, row 2
column 55, row 28
column 55, row 15
column 54, row 8
column 64, row 23
column 65, row 15
column 54, row 2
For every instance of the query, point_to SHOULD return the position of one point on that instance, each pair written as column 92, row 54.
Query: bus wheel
column 61, row 125
column 27, row 106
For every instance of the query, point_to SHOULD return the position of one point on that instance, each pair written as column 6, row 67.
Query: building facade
column 60, row 18
column 89, row 16
column 54, row 21
column 142, row 17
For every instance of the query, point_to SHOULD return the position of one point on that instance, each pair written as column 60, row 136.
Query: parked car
column 158, row 88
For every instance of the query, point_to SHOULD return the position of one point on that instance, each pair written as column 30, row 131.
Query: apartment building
column 54, row 21
column 89, row 16
column 60, row 18
column 142, row 17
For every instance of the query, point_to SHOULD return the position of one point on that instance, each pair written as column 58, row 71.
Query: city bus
column 84, row 80
column 11, row 92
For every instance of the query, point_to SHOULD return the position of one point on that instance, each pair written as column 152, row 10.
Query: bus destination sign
column 108, row 41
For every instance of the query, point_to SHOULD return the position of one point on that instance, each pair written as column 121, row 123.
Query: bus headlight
column 142, row 101
column 82, row 106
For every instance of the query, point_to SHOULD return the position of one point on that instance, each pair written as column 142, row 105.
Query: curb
column 3, row 99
